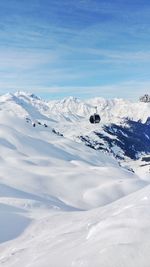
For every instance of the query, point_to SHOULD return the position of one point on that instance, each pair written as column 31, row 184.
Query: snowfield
column 63, row 204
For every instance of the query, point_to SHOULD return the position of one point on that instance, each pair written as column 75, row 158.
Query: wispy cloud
column 74, row 44
column 135, row 90
column 23, row 60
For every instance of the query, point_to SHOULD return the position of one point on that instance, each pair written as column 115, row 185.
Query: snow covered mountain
column 123, row 131
column 65, row 204
column 72, row 108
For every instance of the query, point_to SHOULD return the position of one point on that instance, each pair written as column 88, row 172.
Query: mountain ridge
column 116, row 108
column 69, row 117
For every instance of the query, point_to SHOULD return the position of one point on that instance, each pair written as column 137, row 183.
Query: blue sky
column 84, row 48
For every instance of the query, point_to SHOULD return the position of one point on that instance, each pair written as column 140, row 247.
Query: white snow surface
column 63, row 204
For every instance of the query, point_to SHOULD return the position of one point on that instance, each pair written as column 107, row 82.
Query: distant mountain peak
column 71, row 99
column 145, row 98
column 26, row 94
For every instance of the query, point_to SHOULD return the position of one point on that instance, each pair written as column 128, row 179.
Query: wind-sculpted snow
column 54, row 167
column 12, row 224
column 63, row 204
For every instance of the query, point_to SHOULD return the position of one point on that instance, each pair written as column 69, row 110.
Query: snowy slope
column 70, row 117
column 113, row 236
column 62, row 203
column 40, row 155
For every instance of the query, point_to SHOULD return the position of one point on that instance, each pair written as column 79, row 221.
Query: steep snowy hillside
column 62, row 203
column 70, row 117
column 128, row 142
column 40, row 155
column 123, row 131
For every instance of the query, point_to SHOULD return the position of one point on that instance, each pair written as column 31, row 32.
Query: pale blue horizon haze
column 82, row 48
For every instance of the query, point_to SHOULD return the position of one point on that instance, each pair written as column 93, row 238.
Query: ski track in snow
column 63, row 204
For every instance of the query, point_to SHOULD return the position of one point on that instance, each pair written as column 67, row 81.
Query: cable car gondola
column 95, row 118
